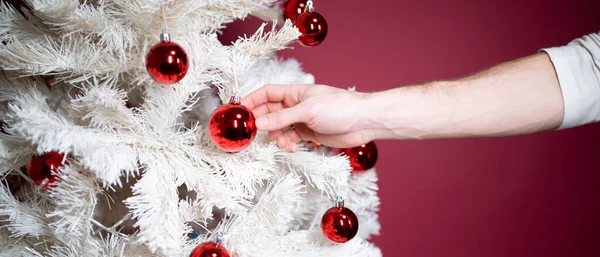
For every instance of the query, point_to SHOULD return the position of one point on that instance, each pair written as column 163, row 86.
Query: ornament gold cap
column 235, row 100
column 165, row 36
column 219, row 238
column 340, row 202
column 310, row 7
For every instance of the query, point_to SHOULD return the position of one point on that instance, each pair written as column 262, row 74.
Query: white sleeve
column 577, row 66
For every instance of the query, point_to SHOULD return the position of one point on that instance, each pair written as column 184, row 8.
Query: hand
column 327, row 115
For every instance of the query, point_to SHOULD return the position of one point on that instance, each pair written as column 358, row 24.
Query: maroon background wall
column 535, row 195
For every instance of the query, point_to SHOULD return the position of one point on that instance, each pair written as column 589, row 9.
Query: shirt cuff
column 576, row 74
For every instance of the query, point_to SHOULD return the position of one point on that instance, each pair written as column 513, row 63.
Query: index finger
column 265, row 94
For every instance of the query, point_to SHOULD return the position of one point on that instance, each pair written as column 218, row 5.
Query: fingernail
column 289, row 148
column 293, row 147
column 262, row 123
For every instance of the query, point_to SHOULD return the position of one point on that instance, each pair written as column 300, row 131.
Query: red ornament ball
column 43, row 169
column 232, row 127
column 313, row 27
column 210, row 249
column 362, row 158
column 339, row 224
column 293, row 8
column 167, row 62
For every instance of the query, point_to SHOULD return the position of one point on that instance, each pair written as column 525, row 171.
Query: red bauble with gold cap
column 313, row 27
column 232, row 126
column 339, row 224
column 167, row 62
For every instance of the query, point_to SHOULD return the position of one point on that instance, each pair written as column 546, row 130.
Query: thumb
column 283, row 118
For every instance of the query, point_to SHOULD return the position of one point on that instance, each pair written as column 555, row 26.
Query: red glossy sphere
column 313, row 28
column 362, row 158
column 339, row 225
column 43, row 170
column 232, row 127
column 210, row 250
column 167, row 62
column 293, row 8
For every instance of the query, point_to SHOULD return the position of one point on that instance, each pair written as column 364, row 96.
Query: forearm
column 518, row 97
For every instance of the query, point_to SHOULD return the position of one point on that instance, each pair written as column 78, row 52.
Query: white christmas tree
column 139, row 176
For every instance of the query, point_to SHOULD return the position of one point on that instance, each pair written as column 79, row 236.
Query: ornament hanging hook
column 340, row 202
column 310, row 6
column 165, row 36
column 236, row 99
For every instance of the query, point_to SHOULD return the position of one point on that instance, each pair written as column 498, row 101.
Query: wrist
column 374, row 116
column 410, row 112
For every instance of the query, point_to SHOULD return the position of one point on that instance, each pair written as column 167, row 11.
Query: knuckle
column 279, row 117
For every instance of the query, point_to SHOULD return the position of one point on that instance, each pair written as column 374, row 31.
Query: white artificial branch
column 74, row 59
column 273, row 13
column 364, row 190
column 32, row 118
column 275, row 71
column 22, row 218
column 10, row 245
column 256, row 233
column 14, row 24
column 102, row 106
column 270, row 41
column 53, row 9
column 74, row 198
column 71, row 19
column 14, row 152
column 355, row 247
column 112, row 245
column 210, row 15
column 135, row 249
column 365, row 202
column 250, row 169
column 204, row 16
column 327, row 173
column 193, row 169
column 164, row 106
column 245, row 52
column 154, row 205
